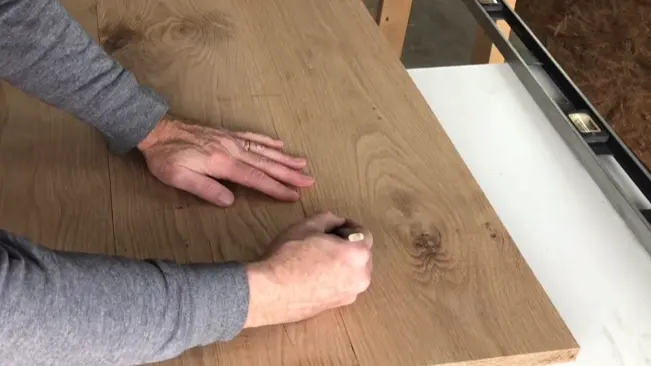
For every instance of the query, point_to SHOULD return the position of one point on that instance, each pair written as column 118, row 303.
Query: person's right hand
column 308, row 272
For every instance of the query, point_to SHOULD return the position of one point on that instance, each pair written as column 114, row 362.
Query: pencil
column 348, row 233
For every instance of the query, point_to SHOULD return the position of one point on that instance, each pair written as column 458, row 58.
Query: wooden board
column 449, row 285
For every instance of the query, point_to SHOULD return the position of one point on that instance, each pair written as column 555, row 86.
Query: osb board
column 605, row 47
column 449, row 286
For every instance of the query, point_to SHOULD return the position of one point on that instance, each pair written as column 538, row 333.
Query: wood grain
column 54, row 183
column 532, row 359
column 156, row 221
column 393, row 19
column 450, row 286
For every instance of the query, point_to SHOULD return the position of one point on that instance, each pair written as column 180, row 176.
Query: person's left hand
column 191, row 158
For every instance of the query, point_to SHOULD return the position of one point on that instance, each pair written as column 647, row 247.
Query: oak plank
column 206, row 85
column 54, row 182
column 450, row 286
column 395, row 169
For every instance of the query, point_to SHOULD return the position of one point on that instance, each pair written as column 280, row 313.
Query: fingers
column 324, row 222
column 201, row 186
column 261, row 139
column 351, row 230
column 273, row 154
column 327, row 222
column 257, row 179
column 277, row 170
column 315, row 225
column 279, row 156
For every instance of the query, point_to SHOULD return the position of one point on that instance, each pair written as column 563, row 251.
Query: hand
column 191, row 157
column 309, row 272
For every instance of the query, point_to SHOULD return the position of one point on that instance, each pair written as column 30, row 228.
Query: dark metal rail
column 584, row 130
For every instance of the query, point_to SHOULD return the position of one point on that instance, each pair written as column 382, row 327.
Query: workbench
column 494, row 246
column 392, row 16
column 591, row 265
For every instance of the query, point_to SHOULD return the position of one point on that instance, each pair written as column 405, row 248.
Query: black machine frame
column 582, row 128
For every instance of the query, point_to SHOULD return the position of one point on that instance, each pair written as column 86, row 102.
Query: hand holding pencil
column 349, row 231
column 321, row 263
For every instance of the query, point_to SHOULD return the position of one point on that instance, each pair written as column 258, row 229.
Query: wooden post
column 393, row 18
column 484, row 51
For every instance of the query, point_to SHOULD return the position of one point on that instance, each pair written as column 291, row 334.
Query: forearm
column 47, row 54
column 72, row 308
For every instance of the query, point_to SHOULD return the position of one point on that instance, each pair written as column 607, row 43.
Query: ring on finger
column 247, row 145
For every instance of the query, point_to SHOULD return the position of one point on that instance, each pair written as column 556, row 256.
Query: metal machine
column 586, row 133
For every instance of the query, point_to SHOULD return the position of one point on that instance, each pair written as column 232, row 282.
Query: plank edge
column 527, row 359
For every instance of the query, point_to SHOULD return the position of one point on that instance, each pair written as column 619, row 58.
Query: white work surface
column 594, row 270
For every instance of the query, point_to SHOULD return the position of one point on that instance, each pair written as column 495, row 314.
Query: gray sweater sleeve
column 46, row 53
column 62, row 308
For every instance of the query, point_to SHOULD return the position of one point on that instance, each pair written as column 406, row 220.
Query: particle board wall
column 449, row 287
column 605, row 47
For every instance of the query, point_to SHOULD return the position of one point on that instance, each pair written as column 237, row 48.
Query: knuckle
column 255, row 175
column 349, row 300
column 172, row 176
column 324, row 214
column 357, row 255
column 220, row 159
column 262, row 160
column 257, row 147
column 225, row 165
column 329, row 214
column 364, row 284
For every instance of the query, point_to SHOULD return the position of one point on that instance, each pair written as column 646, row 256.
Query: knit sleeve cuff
column 221, row 301
column 137, row 120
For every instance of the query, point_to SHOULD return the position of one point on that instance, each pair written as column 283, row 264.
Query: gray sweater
column 60, row 308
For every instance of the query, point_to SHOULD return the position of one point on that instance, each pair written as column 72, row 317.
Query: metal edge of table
column 527, row 74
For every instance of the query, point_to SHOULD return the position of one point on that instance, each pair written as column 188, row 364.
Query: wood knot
column 428, row 243
column 119, row 38
column 428, row 250
column 202, row 30
column 491, row 232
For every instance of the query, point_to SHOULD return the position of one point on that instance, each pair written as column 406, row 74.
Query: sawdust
column 605, row 47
